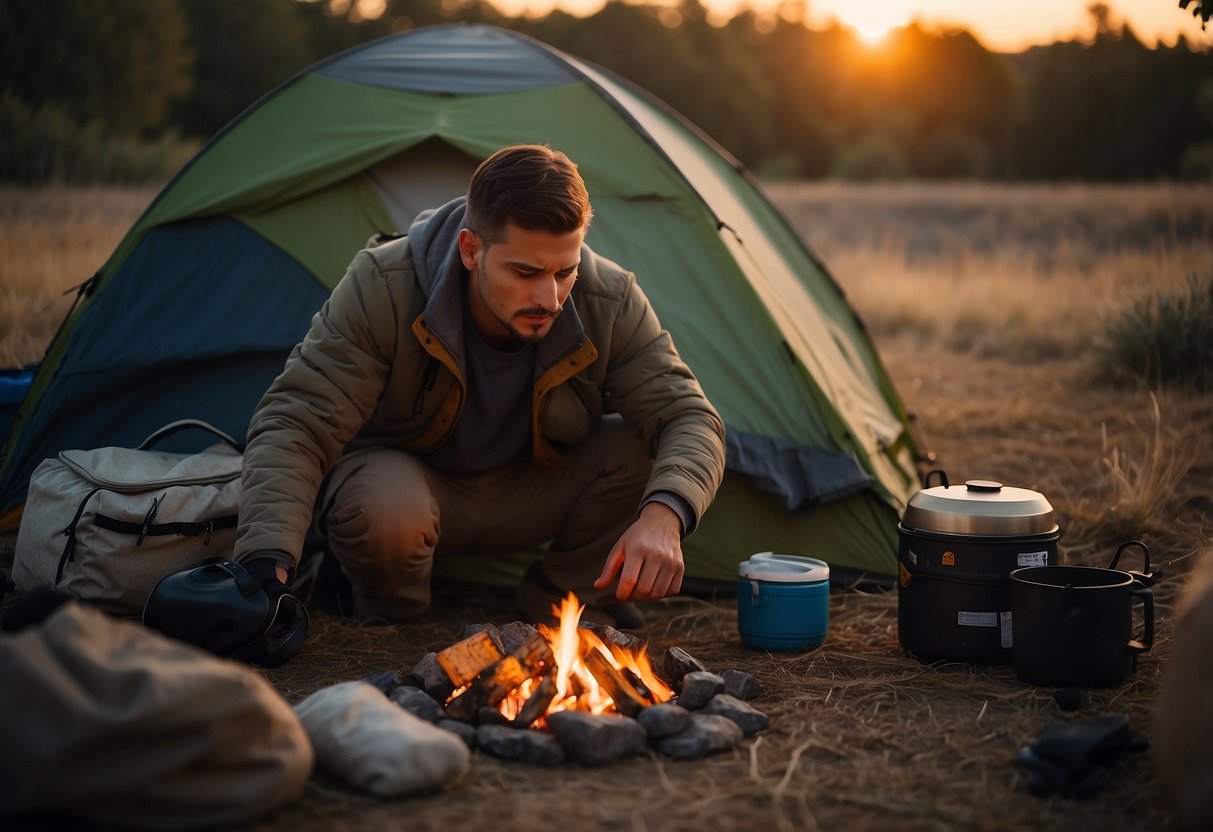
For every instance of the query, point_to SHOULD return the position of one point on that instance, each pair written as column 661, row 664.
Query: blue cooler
column 783, row 601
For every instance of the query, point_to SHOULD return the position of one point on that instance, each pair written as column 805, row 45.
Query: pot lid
column 768, row 566
column 980, row 507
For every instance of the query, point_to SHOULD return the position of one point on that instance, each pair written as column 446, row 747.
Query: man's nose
column 544, row 293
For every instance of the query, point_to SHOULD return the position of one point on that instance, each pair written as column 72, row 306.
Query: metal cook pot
column 957, row 547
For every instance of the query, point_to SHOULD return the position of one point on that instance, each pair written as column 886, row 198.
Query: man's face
column 518, row 286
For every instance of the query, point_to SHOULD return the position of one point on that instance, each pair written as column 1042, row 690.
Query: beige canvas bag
column 106, row 720
column 106, row 524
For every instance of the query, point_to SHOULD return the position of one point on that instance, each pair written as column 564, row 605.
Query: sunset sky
column 1004, row 25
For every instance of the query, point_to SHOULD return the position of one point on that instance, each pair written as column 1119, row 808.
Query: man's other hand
column 648, row 557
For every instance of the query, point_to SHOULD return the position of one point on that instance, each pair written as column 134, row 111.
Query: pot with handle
column 1073, row 625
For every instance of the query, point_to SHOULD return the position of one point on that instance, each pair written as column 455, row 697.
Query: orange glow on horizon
column 1000, row 25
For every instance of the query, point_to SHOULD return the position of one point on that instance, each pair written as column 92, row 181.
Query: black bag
column 220, row 607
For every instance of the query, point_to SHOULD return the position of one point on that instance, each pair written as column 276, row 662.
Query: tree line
column 92, row 89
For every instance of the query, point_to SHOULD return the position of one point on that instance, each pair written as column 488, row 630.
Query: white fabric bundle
column 366, row 740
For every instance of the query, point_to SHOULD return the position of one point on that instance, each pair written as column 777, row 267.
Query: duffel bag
column 106, row 524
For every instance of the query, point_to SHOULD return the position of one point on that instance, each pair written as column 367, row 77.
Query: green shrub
column 44, row 144
column 1164, row 337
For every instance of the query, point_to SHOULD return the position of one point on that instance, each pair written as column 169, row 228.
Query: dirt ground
column 862, row 736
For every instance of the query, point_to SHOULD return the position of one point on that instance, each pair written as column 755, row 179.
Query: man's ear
column 469, row 247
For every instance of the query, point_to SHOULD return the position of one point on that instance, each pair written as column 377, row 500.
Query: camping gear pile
column 981, row 583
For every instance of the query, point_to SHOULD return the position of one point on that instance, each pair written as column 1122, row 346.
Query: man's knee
column 367, row 520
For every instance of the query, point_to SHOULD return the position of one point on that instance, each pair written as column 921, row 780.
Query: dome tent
column 194, row 313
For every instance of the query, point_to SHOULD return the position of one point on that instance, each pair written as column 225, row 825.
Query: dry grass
column 53, row 239
column 1020, row 271
column 982, row 300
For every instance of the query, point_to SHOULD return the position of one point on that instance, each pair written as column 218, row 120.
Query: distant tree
column 123, row 64
column 678, row 56
column 242, row 50
column 1200, row 8
column 1112, row 108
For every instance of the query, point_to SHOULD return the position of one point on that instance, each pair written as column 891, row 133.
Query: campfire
column 576, row 690
column 562, row 668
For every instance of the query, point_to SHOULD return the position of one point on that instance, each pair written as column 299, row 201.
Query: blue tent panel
column 131, row 368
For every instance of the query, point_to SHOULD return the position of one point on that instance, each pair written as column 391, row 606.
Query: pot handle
column 943, row 478
column 1145, row 576
column 1147, row 638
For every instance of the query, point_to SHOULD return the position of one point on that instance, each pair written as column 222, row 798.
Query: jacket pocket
column 570, row 412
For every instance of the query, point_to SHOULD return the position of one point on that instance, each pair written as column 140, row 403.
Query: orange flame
column 576, row 687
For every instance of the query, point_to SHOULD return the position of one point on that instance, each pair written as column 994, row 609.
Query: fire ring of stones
column 583, row 692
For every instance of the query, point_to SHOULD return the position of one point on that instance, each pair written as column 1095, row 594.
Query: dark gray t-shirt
column 495, row 425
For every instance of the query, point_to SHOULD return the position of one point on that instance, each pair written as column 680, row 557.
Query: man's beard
column 533, row 336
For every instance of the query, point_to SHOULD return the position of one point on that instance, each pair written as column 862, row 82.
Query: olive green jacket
column 382, row 365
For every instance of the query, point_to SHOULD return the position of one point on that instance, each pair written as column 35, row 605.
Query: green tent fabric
column 196, row 309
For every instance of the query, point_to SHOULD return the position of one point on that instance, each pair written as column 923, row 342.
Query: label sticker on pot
column 949, row 559
column 1033, row 558
column 1004, row 619
column 977, row 619
column 913, row 556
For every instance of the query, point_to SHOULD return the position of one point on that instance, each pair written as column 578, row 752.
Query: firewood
column 494, row 683
column 464, row 660
column 627, row 700
column 537, row 705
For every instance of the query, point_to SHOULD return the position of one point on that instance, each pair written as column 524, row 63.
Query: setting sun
column 872, row 22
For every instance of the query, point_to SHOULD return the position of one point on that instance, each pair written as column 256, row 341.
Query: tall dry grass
column 52, row 239
column 1020, row 271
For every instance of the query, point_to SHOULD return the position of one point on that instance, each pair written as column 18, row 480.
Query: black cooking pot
column 957, row 548
column 1073, row 625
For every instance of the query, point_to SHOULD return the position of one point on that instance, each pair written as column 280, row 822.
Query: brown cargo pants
column 387, row 515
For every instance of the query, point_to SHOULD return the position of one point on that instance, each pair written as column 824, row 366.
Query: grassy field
column 987, row 304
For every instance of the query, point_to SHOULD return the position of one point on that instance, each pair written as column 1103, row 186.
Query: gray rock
column 538, row 747
column 466, row 732
column 513, row 634
column 663, row 720
column 612, row 636
column 491, row 716
column 491, row 629
column 679, row 663
column 698, row 687
column 748, row 718
column 707, row 734
column 386, row 680
column 431, row 678
column 595, row 739
column 417, row 702
column 742, row 685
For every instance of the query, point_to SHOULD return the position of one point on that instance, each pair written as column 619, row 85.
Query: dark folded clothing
column 1074, row 759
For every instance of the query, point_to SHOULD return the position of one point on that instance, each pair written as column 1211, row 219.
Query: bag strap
column 185, row 424
column 259, row 652
column 182, row 529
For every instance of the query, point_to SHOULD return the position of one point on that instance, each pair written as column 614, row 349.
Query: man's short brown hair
column 531, row 186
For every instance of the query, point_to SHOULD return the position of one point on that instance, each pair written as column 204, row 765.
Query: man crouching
column 486, row 383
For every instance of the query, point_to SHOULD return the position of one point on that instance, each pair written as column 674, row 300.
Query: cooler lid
column 768, row 566
column 980, row 507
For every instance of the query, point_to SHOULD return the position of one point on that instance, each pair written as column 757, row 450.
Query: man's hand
column 648, row 557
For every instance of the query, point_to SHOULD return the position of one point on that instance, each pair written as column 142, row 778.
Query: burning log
column 537, row 705
column 494, row 683
column 628, row 701
column 464, row 660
